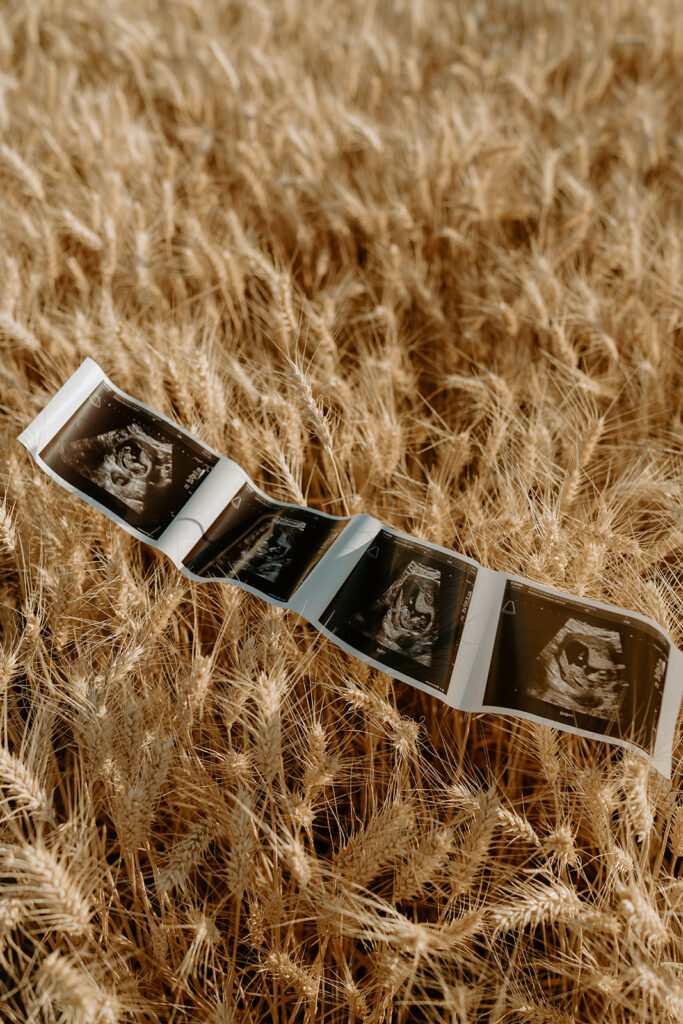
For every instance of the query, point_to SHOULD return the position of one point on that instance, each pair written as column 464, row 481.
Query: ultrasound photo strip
column 479, row 640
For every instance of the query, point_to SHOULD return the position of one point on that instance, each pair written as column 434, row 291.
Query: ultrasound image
column 599, row 670
column 127, row 463
column 268, row 546
column 403, row 618
column 404, row 605
column 130, row 460
column 581, row 669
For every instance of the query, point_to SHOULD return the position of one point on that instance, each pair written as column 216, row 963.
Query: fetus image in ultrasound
column 128, row 463
column 266, row 545
column 269, row 548
column 582, row 669
column 128, row 459
column 404, row 605
column 403, row 618
column 594, row 668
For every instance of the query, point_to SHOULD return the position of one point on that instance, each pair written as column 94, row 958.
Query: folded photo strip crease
column 480, row 640
column 269, row 545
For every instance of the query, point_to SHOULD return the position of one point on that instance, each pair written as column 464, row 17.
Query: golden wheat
column 414, row 259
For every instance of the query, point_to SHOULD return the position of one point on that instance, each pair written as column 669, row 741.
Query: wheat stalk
column 185, row 855
column 22, row 786
column 375, row 846
column 239, row 867
column 52, row 895
column 62, row 984
column 281, row 966
column 539, row 904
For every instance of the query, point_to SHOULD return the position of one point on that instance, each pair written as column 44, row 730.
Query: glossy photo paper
column 477, row 639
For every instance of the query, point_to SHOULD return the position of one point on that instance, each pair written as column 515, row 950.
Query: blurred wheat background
column 412, row 258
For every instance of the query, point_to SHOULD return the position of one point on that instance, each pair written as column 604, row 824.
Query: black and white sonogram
column 404, row 605
column 581, row 669
column 130, row 460
column 268, row 546
column 600, row 670
column 408, row 620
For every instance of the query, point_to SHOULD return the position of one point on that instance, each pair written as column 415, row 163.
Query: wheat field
column 416, row 259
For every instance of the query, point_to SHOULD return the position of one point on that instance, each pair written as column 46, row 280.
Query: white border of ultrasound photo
column 59, row 411
column 467, row 684
column 189, row 513
column 326, row 578
column 214, row 492
column 672, row 690
column 211, row 496
column 334, row 583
